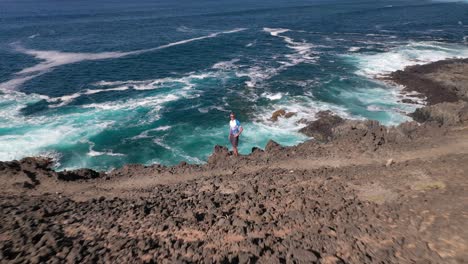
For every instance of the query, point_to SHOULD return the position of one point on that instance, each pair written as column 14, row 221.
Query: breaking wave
column 379, row 64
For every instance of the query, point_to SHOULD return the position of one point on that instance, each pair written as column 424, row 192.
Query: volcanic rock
column 321, row 129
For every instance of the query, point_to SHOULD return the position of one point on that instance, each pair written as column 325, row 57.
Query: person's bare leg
column 236, row 153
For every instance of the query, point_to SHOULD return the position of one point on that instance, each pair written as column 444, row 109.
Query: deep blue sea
column 102, row 83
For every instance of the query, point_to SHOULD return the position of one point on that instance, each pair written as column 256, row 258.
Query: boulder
column 277, row 114
column 220, row 154
column 322, row 128
column 272, row 146
column 281, row 113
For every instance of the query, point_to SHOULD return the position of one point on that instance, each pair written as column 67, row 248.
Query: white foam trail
column 251, row 44
column 94, row 153
column 51, row 59
column 163, row 128
column 272, row 97
column 354, row 49
column 177, row 152
column 226, row 65
column 185, row 81
column 380, row 64
column 207, row 109
column 303, row 53
column 154, row 101
column 34, row 36
column 257, row 74
column 66, row 99
column 95, row 91
column 275, row 31
column 374, row 108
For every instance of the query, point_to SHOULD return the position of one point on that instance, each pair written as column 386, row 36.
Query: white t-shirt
column 234, row 127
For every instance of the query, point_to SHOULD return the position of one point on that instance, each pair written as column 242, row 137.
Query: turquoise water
column 101, row 85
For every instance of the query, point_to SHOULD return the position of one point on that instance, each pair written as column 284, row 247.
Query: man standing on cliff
column 235, row 130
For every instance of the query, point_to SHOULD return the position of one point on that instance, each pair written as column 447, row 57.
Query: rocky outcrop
column 322, row 128
column 27, row 172
column 79, row 174
column 443, row 113
column 438, row 82
column 31, row 172
column 281, row 113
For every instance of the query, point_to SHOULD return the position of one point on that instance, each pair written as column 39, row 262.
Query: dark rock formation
column 281, row 113
column 442, row 81
column 321, row 129
column 80, row 174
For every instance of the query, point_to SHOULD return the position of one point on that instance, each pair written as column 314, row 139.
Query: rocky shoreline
column 359, row 193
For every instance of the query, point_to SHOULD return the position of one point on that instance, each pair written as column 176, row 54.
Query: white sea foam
column 226, row 65
column 153, row 101
column 34, row 36
column 39, row 134
column 379, row 64
column 304, row 107
column 275, row 31
column 214, row 107
column 374, row 108
column 354, row 49
column 176, row 151
column 145, row 134
column 184, row 83
column 251, row 44
column 66, row 99
column 273, row 96
column 257, row 74
column 184, row 29
column 163, row 128
column 51, row 59
column 303, row 53
column 94, row 153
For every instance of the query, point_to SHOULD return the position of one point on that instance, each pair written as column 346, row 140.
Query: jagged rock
column 302, row 256
column 80, row 174
column 436, row 80
column 272, row 146
column 277, row 114
column 443, row 113
column 257, row 150
column 321, row 129
column 281, row 113
column 408, row 101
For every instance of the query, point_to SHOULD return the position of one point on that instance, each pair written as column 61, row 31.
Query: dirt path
column 455, row 142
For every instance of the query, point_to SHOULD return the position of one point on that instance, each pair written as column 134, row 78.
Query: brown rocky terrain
column 360, row 193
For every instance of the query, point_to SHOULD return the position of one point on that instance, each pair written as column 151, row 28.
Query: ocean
column 100, row 84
